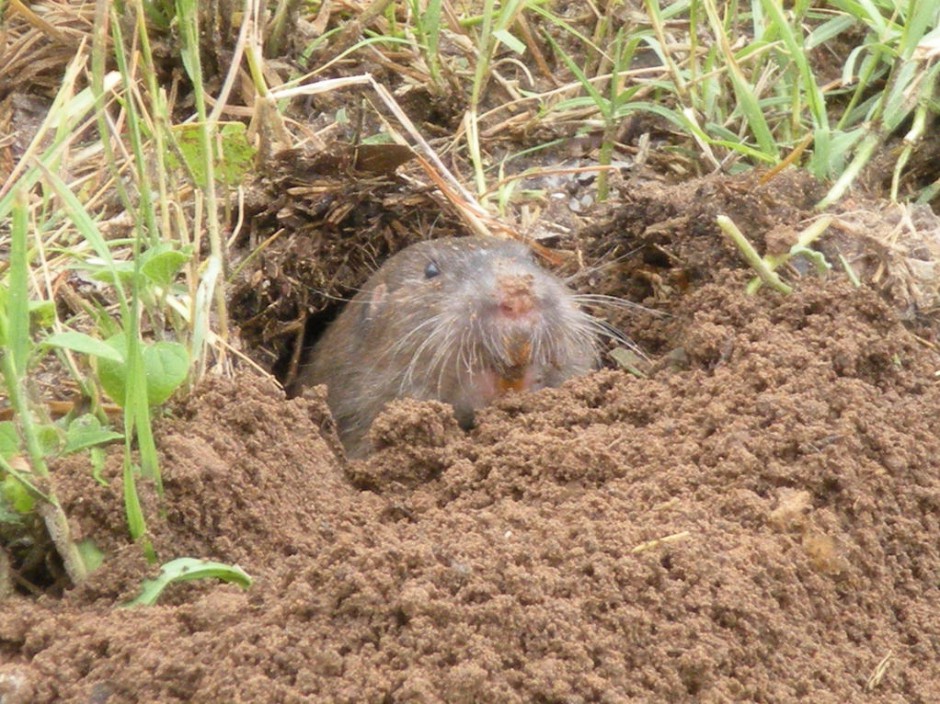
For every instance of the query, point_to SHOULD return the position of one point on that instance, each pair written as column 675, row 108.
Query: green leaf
column 112, row 374
column 7, row 515
column 16, row 495
column 818, row 259
column 166, row 365
column 86, row 431
column 628, row 360
column 4, row 299
column 86, row 344
column 829, row 30
column 185, row 19
column 509, row 41
column 115, row 274
column 17, row 308
column 237, row 153
column 185, row 569
column 136, row 523
column 603, row 105
column 9, row 440
column 42, row 313
column 159, row 12
column 49, row 439
column 97, row 457
column 91, row 555
column 161, row 264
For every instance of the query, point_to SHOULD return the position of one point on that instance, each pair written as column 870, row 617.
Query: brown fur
column 483, row 319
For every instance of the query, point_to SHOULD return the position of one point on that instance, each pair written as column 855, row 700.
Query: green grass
column 740, row 84
column 150, row 338
column 15, row 339
column 185, row 569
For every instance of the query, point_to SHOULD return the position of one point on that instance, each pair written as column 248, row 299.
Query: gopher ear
column 374, row 303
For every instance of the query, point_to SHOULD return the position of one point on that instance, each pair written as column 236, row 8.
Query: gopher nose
column 515, row 295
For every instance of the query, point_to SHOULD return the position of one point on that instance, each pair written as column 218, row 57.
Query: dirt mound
column 757, row 520
column 760, row 526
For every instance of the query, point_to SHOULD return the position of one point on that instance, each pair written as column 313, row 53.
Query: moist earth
column 755, row 519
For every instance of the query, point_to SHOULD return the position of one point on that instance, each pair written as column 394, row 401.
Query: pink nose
column 515, row 295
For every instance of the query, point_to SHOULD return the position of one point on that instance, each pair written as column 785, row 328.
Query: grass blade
column 186, row 569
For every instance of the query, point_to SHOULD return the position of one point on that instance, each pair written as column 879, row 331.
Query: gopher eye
column 431, row 270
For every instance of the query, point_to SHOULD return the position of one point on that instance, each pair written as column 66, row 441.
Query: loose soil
column 758, row 519
column 755, row 517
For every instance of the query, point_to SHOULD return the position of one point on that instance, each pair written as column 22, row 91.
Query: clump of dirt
column 664, row 241
column 757, row 520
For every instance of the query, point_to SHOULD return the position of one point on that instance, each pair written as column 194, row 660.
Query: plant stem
column 13, row 364
column 765, row 273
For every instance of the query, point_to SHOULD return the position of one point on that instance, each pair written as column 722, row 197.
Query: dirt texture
column 757, row 520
